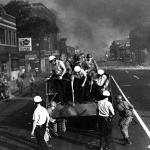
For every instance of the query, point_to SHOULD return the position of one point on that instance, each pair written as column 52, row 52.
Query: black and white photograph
column 74, row 74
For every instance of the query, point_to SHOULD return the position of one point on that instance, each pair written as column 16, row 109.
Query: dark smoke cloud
column 93, row 24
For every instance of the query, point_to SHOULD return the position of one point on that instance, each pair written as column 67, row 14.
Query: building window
column 10, row 37
column 7, row 37
column 9, row 33
column 2, row 36
column 14, row 37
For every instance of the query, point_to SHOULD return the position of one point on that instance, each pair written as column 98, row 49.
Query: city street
column 56, row 49
column 16, row 120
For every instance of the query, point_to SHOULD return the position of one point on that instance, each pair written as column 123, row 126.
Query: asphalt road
column 135, row 84
column 16, row 116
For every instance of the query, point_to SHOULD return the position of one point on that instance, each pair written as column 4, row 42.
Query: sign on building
column 25, row 44
column 55, row 52
column 31, row 57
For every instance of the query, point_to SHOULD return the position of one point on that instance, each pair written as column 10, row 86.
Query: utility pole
column 39, row 53
column 9, row 65
column 39, row 58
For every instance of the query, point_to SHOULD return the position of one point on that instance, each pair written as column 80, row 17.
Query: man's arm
column 106, row 83
column 47, row 120
column 63, row 67
column 33, row 127
column 111, row 108
column 85, row 77
column 72, row 83
column 130, row 106
column 95, row 64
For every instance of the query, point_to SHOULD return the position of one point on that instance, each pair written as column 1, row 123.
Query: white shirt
column 104, row 107
column 101, row 80
column 40, row 115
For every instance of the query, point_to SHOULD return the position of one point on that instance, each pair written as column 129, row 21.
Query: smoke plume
column 93, row 25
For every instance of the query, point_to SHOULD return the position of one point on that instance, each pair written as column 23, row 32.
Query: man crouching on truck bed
column 100, row 83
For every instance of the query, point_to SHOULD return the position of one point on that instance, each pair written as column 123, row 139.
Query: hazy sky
column 94, row 24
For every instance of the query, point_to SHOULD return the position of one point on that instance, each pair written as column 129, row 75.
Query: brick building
column 8, row 44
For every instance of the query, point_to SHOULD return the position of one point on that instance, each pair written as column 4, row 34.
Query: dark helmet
column 119, row 98
column 88, row 56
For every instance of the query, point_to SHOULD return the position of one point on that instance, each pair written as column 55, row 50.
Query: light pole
column 9, row 65
column 39, row 52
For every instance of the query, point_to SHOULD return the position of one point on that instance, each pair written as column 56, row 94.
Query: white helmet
column 51, row 58
column 106, row 93
column 77, row 68
column 100, row 71
column 37, row 99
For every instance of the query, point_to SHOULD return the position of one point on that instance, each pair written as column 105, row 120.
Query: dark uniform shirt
column 122, row 106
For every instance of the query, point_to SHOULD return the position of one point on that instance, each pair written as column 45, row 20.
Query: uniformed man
column 52, row 125
column 58, row 67
column 125, row 111
column 40, row 123
column 78, row 80
column 58, row 71
column 20, row 84
column 50, row 110
column 63, row 58
column 67, row 75
column 60, row 124
column 91, row 69
column 91, row 64
column 33, row 85
column 105, row 111
column 100, row 83
column 102, row 80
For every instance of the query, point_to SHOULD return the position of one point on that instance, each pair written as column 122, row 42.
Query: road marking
column 126, row 85
column 135, row 112
column 136, row 77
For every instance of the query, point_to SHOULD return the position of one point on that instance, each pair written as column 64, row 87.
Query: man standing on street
column 40, row 123
column 125, row 111
column 105, row 112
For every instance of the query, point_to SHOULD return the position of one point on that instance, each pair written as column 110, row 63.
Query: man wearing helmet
column 91, row 69
column 50, row 110
column 91, row 64
column 78, row 80
column 40, row 123
column 105, row 111
column 58, row 71
column 100, row 83
column 125, row 111
column 58, row 67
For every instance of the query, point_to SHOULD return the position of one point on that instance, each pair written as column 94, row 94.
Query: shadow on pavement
column 16, row 139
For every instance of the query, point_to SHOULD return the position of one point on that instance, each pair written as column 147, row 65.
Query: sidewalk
column 14, row 88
